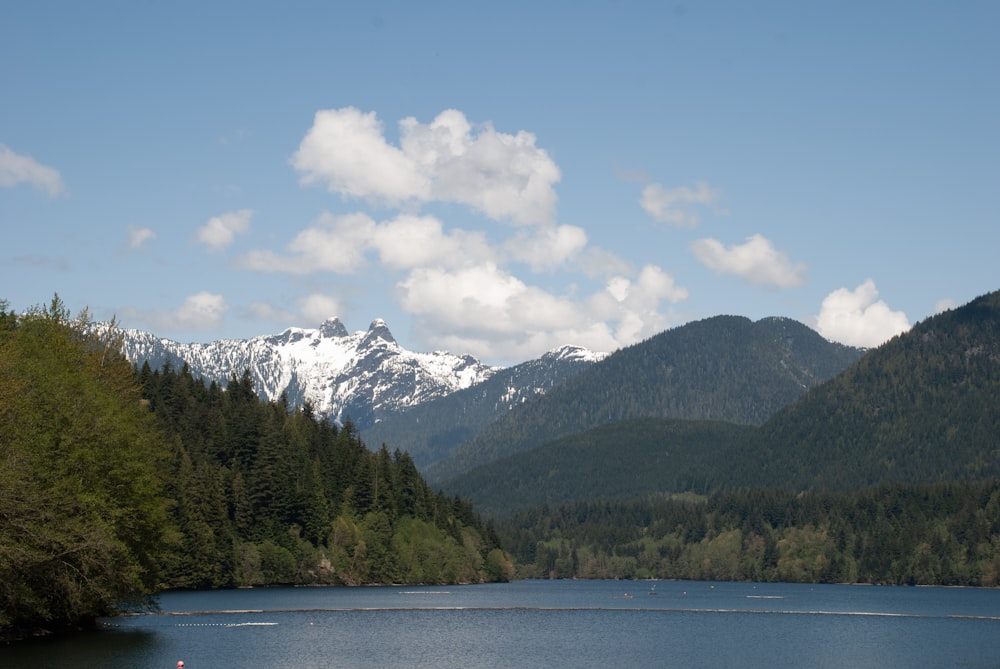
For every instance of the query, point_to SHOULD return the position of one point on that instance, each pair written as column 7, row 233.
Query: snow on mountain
column 362, row 375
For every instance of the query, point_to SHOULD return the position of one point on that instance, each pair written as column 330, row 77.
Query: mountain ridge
column 364, row 376
column 722, row 368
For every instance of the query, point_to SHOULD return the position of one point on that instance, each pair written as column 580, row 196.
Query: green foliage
column 935, row 534
column 725, row 368
column 269, row 494
column 430, row 430
column 82, row 515
column 920, row 408
column 622, row 459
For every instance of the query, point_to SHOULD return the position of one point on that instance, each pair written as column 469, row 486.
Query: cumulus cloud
column 857, row 318
column 340, row 244
column 756, row 261
column 678, row 206
column 220, row 231
column 317, row 307
column 546, row 248
column 506, row 177
column 16, row 169
column 489, row 312
column 333, row 244
column 201, row 311
column 412, row 241
column 137, row 237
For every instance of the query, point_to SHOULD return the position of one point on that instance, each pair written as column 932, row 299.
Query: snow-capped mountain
column 432, row 430
column 365, row 376
column 362, row 375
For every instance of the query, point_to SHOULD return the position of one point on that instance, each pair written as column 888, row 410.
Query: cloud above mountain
column 509, row 280
column 504, row 176
column 858, row 318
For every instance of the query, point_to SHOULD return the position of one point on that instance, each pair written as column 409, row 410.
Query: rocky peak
column 378, row 330
column 332, row 327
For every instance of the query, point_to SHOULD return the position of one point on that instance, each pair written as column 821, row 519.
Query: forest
column 933, row 534
column 118, row 482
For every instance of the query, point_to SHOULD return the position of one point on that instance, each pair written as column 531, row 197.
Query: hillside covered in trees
column 725, row 368
column 267, row 494
column 116, row 483
column 936, row 534
column 919, row 409
column 916, row 417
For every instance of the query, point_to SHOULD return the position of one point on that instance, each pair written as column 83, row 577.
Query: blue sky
column 499, row 179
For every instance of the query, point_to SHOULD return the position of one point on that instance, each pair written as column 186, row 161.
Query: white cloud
column 137, row 237
column 346, row 150
column 501, row 175
column 220, row 231
column 855, row 317
column 201, row 311
column 340, row 244
column 547, row 247
column 333, row 244
column 490, row 313
column 756, row 261
column 944, row 304
column 413, row 241
column 317, row 307
column 675, row 205
column 16, row 168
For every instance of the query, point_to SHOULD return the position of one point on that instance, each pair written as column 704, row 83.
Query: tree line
column 265, row 493
column 932, row 534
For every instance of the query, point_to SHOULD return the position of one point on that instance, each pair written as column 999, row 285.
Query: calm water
column 544, row 624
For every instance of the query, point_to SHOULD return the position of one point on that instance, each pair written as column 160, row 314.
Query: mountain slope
column 431, row 430
column 923, row 407
column 725, row 368
column 615, row 461
column 920, row 409
column 362, row 376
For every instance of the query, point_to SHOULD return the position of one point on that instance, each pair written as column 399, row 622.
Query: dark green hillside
column 431, row 430
column 614, row 461
column 268, row 494
column 923, row 407
column 726, row 368
column 931, row 534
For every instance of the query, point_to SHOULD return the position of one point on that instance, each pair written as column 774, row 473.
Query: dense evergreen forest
column 267, row 494
column 724, row 368
column 934, row 534
column 117, row 482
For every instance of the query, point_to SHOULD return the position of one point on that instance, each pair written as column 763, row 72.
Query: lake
column 543, row 624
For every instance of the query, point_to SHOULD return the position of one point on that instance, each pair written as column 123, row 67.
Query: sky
column 499, row 179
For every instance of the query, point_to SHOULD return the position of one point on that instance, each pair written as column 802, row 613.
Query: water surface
column 544, row 624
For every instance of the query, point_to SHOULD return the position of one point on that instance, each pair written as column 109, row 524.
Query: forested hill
column 116, row 483
column 269, row 494
column 726, row 368
column 922, row 407
column 431, row 430
column 621, row 460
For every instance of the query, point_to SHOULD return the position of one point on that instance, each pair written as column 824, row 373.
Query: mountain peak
column 378, row 329
column 332, row 327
